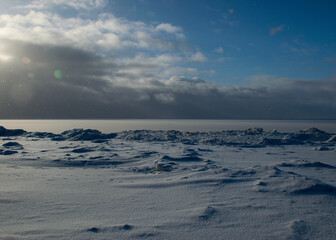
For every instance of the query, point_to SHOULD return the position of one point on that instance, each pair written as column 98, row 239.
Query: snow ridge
column 255, row 137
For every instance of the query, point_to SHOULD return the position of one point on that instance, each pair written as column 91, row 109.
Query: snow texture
column 141, row 184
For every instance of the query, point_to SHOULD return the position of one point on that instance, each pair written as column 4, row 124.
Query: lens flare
column 26, row 60
column 58, row 74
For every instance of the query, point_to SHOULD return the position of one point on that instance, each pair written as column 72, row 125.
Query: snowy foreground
column 250, row 184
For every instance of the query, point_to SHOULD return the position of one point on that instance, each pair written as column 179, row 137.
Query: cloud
column 75, row 4
column 298, row 46
column 163, row 59
column 56, row 66
column 91, row 86
column 227, row 18
column 275, row 30
column 223, row 17
column 106, row 32
column 143, row 49
column 198, row 57
column 159, row 66
column 166, row 27
column 219, row 50
column 164, row 97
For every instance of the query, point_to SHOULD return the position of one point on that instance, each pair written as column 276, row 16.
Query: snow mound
column 310, row 134
column 11, row 132
column 322, row 148
column 299, row 229
column 306, row 164
column 8, row 152
column 83, row 150
column 277, row 141
column 93, row 229
column 42, row 135
column 164, row 166
column 277, row 181
column 124, row 227
column 85, row 135
column 207, row 213
column 186, row 158
column 314, row 187
column 255, row 137
column 84, row 162
column 332, row 139
column 13, row 145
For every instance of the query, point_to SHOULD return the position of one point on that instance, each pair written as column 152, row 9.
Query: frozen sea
column 167, row 179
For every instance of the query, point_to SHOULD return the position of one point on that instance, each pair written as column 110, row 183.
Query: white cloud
column 271, row 81
column 166, row 27
column 159, row 66
column 219, row 50
column 106, row 32
column 76, row 4
column 164, row 97
column 139, row 55
column 194, row 85
column 162, row 60
column 173, row 71
column 198, row 57
column 300, row 47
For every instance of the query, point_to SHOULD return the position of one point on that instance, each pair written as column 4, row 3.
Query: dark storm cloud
column 91, row 86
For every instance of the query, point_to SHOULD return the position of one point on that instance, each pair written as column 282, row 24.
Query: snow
column 141, row 184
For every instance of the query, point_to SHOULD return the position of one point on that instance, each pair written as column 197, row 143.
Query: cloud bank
column 91, row 87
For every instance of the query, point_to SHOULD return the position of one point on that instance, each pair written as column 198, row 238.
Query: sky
column 199, row 59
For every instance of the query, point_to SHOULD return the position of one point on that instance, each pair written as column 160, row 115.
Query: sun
column 5, row 57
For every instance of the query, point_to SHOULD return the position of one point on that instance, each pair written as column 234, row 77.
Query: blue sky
column 167, row 59
column 304, row 47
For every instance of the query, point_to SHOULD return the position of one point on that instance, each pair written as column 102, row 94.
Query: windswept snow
column 141, row 184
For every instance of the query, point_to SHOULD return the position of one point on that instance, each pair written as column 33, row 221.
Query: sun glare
column 5, row 58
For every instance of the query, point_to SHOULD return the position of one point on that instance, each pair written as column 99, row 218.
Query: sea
column 109, row 126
